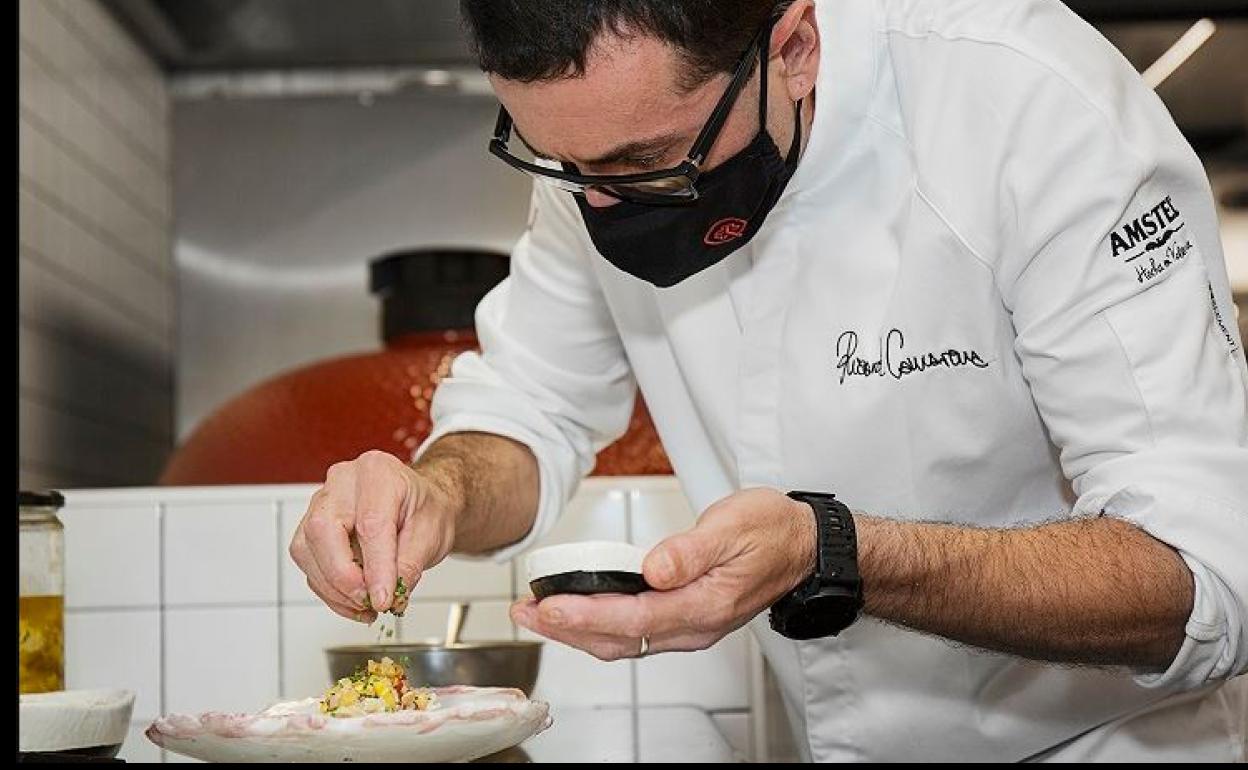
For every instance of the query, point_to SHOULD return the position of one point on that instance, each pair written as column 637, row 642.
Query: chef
column 928, row 305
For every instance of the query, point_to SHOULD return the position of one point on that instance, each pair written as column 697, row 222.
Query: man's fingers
column 683, row 558
column 379, row 504
column 302, row 554
column 422, row 543
column 608, row 646
column 329, row 541
column 346, row 611
column 652, row 613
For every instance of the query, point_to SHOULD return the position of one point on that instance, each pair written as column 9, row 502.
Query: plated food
column 375, row 717
column 378, row 687
column 591, row 567
column 402, row 593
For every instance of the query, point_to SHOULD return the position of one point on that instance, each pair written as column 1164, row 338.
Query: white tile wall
column 658, row 513
column 571, row 678
column 107, row 649
column 717, row 678
column 231, row 626
column 95, row 258
column 294, row 586
column 679, row 735
column 596, row 512
column 112, row 556
column 221, row 553
column 585, row 735
column 221, row 659
column 457, row 578
column 486, row 621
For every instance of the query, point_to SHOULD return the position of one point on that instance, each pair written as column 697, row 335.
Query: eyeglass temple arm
column 699, row 151
column 502, row 126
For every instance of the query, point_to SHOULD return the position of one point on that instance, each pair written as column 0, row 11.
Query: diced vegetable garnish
column 379, row 687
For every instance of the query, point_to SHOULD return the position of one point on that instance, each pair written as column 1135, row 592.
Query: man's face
column 628, row 113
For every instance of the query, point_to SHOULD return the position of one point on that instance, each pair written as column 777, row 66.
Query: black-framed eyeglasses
column 664, row 187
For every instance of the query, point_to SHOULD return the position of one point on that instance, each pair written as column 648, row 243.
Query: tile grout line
column 103, row 59
column 94, row 168
column 632, row 663
column 85, row 413
column 88, row 287
column 511, row 573
column 279, row 509
column 75, row 90
column 160, row 598
column 168, row 606
column 38, row 326
column 82, row 220
column 110, row 609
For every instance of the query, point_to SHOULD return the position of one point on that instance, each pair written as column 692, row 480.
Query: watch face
column 817, row 617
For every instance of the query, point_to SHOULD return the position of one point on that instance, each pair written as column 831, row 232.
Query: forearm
column 492, row 484
column 1094, row 591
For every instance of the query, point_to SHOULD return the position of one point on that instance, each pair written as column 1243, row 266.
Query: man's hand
column 404, row 521
column 744, row 553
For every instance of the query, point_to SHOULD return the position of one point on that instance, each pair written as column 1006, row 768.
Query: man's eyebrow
column 625, row 152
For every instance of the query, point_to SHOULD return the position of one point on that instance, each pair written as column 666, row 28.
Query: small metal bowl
column 434, row 664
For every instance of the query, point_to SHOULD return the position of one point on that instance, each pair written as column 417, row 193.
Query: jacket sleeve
column 1096, row 217
column 551, row 372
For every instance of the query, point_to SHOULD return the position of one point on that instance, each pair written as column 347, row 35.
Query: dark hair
column 535, row 40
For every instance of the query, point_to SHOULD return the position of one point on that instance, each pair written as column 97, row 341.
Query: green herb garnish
column 400, row 591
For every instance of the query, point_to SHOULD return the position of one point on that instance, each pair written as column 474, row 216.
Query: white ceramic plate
column 470, row 722
column 74, row 719
column 588, row 556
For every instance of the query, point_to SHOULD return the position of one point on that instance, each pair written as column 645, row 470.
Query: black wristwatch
column 829, row 601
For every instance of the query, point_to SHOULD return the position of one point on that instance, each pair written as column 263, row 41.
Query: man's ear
column 795, row 44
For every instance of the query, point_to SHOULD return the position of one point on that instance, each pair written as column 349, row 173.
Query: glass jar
column 41, row 592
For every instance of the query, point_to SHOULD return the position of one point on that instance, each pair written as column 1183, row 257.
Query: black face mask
column 664, row 245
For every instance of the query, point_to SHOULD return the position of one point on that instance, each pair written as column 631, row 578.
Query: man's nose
column 599, row 199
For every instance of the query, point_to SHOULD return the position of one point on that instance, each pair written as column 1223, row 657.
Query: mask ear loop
column 796, row 145
column 763, row 55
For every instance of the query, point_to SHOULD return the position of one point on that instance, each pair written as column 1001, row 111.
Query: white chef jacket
column 993, row 293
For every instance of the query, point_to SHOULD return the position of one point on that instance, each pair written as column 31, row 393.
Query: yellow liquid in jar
column 41, row 644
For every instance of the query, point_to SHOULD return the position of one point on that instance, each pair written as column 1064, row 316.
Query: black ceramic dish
column 581, row 582
column 594, row 567
column 92, row 754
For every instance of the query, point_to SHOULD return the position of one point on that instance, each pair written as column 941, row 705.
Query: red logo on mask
column 725, row 230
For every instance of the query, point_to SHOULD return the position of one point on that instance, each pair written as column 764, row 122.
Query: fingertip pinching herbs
column 398, row 606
